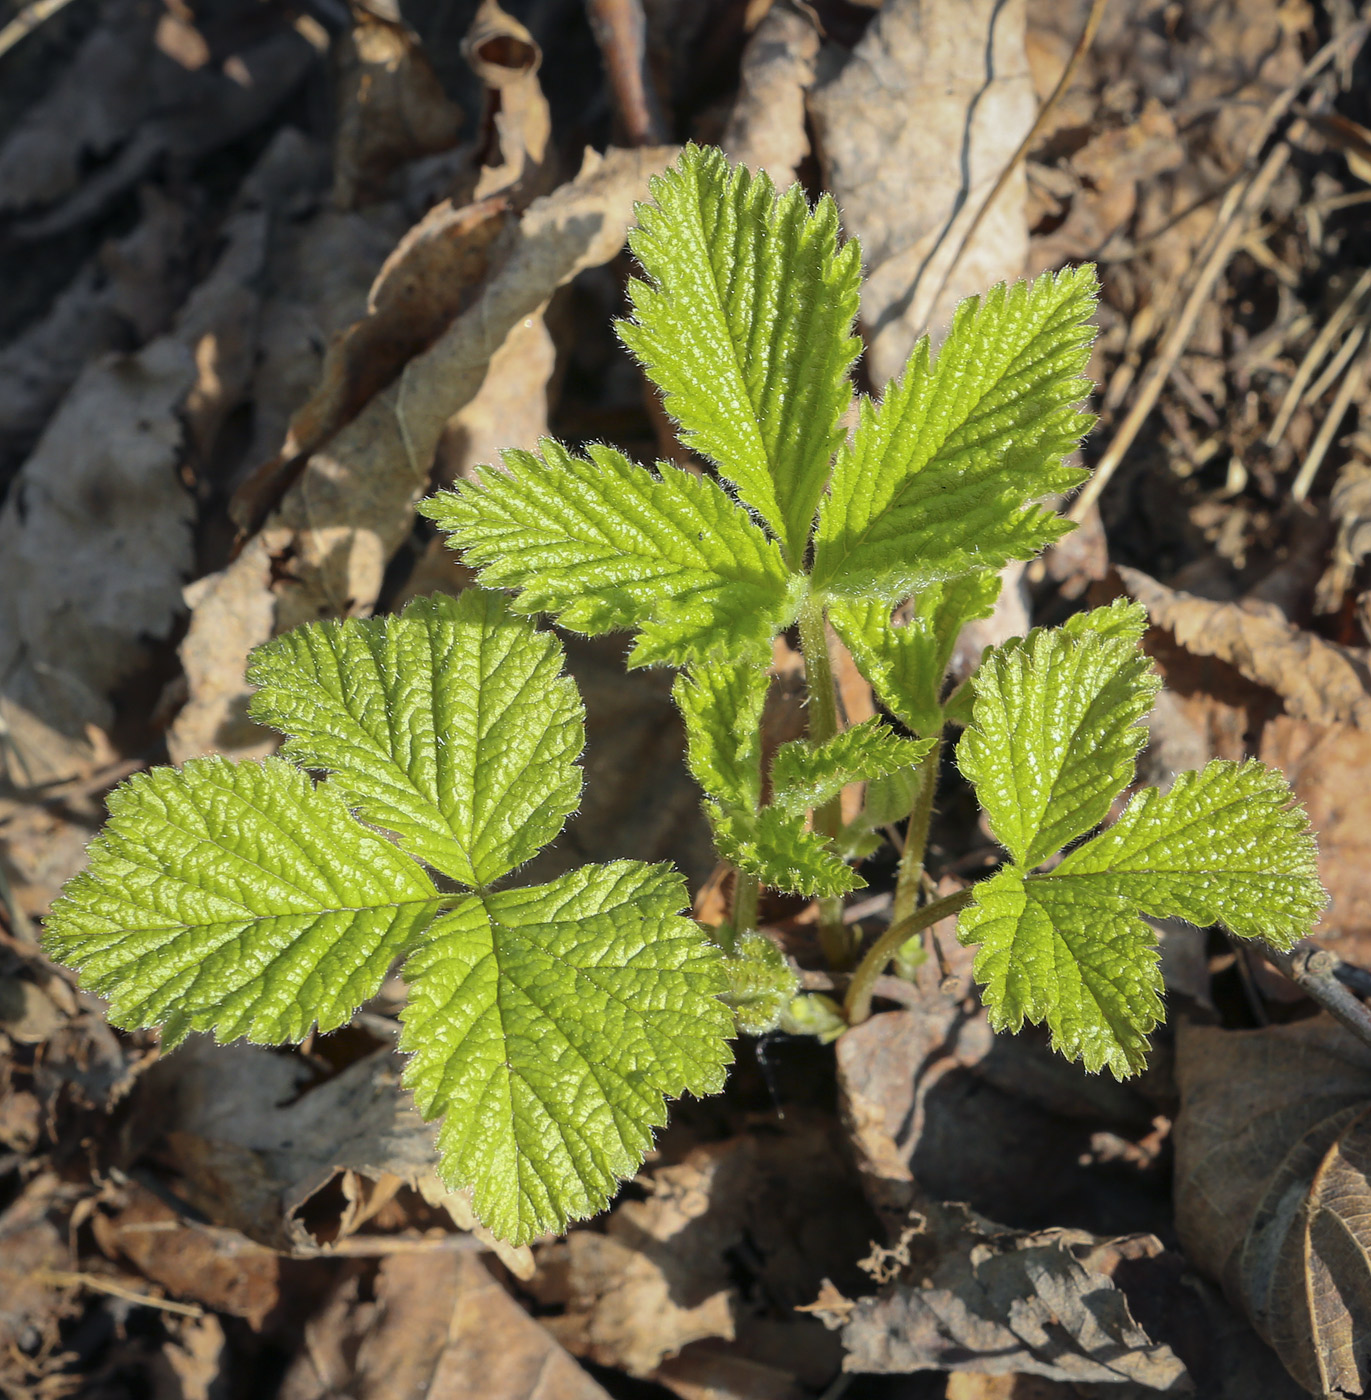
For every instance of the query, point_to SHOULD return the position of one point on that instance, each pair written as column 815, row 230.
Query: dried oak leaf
column 965, row 1294
column 1273, row 1156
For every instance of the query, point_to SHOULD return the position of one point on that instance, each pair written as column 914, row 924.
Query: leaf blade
column 722, row 707
column 939, row 477
column 239, row 898
column 776, row 846
column 805, row 775
column 452, row 726
column 745, row 323
column 582, row 1004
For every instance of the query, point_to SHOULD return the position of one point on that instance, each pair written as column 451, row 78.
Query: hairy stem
column 857, row 1004
column 747, row 890
column 916, row 837
column 823, row 725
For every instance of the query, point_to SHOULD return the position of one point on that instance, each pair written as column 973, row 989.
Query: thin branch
column 1315, row 971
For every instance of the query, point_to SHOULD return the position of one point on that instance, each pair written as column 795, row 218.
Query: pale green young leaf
column 1054, row 735
column 1087, row 967
column 775, row 846
column 1227, row 844
column 546, row 1025
column 604, row 545
column 905, row 663
column 722, row 705
column 890, row 799
column 745, row 323
column 451, row 725
column 941, row 475
column 804, row 775
column 237, row 897
column 761, row 983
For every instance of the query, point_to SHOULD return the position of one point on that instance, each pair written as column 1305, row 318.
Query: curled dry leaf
column 1318, row 680
column 766, row 129
column 935, row 97
column 963, row 1294
column 439, row 1327
column 1273, row 1153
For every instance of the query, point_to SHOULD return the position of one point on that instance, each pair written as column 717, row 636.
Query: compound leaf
column 776, row 846
column 804, row 775
column 905, row 664
column 604, row 545
column 1054, row 735
column 940, row 476
column 238, row 897
column 722, row 706
column 1226, row 844
column 745, row 324
column 547, row 1024
column 1087, row 968
column 451, row 725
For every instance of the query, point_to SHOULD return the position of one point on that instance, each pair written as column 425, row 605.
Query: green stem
column 857, row 1004
column 916, row 836
column 747, row 890
column 823, row 725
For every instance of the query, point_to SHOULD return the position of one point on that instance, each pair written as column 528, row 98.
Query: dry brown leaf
column 1318, row 680
column 913, row 128
column 766, row 130
column 392, row 108
column 1350, row 505
column 1273, row 1150
column 353, row 503
column 964, row 1294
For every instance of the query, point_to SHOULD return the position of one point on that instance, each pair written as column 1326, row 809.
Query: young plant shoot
column 547, row 1024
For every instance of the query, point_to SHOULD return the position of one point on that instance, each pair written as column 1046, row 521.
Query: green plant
column 546, row 1025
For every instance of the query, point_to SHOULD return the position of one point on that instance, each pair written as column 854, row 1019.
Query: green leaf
column 939, row 477
column 906, row 664
column 1123, row 619
column 890, row 799
column 604, row 545
column 804, row 775
column 775, row 846
column 745, row 324
column 547, row 1024
column 1089, row 969
column 1055, row 735
column 722, row 706
column 238, row 897
column 1227, row 845
column 761, row 983
column 451, row 725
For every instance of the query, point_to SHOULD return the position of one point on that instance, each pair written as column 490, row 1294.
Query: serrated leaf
column 1087, row 968
column 238, row 897
column 804, row 775
column 940, row 477
column 604, row 545
column 1227, row 845
column 745, row 324
column 905, row 664
column 1123, row 619
column 1054, row 735
column 451, row 725
column 722, row 706
column 775, row 846
column 547, row 1024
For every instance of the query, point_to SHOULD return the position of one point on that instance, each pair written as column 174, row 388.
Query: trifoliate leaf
column 761, row 983
column 722, row 706
column 775, row 846
column 939, row 478
column 905, row 664
column 746, row 326
column 804, row 775
column 605, row 545
column 547, row 1024
column 1225, row 845
column 238, row 897
column 1054, row 735
column 1088, row 968
column 451, row 725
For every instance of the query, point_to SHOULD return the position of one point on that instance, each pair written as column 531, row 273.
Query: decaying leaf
column 1273, row 1154
column 935, row 98
column 963, row 1294
column 1319, row 681
column 435, row 1325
